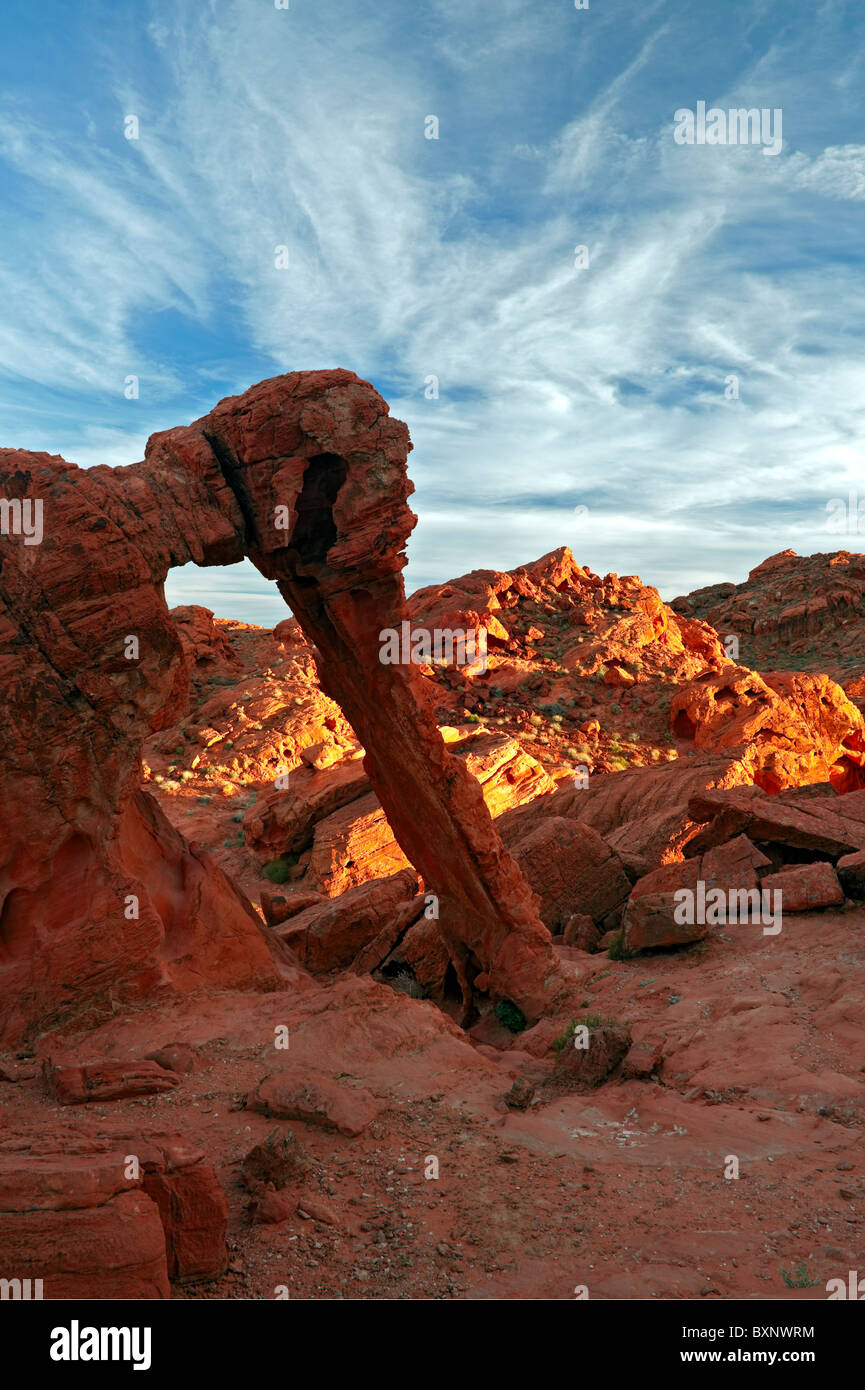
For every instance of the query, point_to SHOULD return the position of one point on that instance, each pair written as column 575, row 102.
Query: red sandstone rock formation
column 97, row 890
column 792, row 728
column 77, row 1220
column 305, row 474
column 801, row 612
column 334, row 815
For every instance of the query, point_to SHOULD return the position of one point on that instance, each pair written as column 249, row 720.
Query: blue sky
column 584, row 407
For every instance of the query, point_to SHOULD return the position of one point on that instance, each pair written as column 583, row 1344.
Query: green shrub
column 510, row 1016
column 616, row 949
column 590, row 1021
column 278, row 870
column 799, row 1277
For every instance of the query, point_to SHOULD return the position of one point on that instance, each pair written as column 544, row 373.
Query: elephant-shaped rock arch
column 306, row 475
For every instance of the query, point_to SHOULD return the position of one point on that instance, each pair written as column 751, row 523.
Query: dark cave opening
column 315, row 529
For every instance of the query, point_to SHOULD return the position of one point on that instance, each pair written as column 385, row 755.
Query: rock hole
column 684, row 726
column 315, row 529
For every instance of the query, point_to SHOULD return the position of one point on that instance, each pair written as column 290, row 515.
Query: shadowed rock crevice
column 314, row 531
column 233, row 474
column 320, row 449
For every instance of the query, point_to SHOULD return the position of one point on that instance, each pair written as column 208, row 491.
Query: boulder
column 585, row 1068
column 75, row 1220
column 283, row 821
column 572, row 870
column 681, row 873
column 296, row 1094
column 179, row 1058
column 355, row 843
column 798, row 727
column 643, row 1059
column 61, row 1181
column 580, row 932
column 422, row 953
column 814, row 825
column 642, row 813
column 649, row 922
column 736, row 864
column 194, row 1213
column 203, row 641
column 271, row 1208
column 112, row 1251
column 104, row 1081
column 278, row 905
column 353, row 847
column 805, row 887
column 330, row 935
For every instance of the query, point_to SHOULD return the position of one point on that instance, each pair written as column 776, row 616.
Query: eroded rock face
column 76, row 1219
column 335, row 816
column 97, row 891
column 306, row 475
column 790, row 728
column 803, row 612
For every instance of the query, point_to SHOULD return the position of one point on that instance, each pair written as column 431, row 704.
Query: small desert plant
column 616, row 949
column 404, row 982
column 509, row 1016
column 590, row 1021
column 278, row 870
column 798, row 1279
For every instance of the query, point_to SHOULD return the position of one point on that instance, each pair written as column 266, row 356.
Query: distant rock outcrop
column 793, row 612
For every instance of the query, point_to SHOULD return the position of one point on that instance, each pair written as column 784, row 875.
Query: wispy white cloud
column 408, row 257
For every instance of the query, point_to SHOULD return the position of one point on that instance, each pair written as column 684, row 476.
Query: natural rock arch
column 318, row 452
